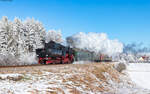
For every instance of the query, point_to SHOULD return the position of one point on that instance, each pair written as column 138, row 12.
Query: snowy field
column 92, row 78
column 140, row 74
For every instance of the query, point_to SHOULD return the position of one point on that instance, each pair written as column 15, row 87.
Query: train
column 55, row 53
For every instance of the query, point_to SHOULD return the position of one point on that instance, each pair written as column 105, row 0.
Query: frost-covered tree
column 39, row 35
column 53, row 35
column 34, row 34
column 18, row 35
column 18, row 38
column 3, row 42
column 6, row 40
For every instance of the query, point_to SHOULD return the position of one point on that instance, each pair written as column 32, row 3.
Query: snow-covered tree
column 18, row 38
column 35, row 34
column 6, row 40
column 39, row 35
column 17, row 33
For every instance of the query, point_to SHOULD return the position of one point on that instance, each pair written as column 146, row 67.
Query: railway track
column 34, row 65
column 20, row 66
column 28, row 65
column 29, row 68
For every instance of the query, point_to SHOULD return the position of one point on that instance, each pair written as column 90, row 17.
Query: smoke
column 54, row 35
column 136, row 48
column 8, row 60
column 101, row 44
column 28, row 59
column 96, row 42
column 24, row 59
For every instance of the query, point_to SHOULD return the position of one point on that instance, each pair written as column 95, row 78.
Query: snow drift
column 96, row 42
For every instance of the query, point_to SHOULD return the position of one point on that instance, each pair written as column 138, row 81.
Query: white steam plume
column 96, row 42
column 28, row 59
column 54, row 35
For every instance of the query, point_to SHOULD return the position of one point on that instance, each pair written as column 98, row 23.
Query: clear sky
column 125, row 20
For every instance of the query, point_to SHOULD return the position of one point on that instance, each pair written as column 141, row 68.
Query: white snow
column 140, row 74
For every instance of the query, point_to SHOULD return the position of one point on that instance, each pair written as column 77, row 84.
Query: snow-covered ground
column 140, row 74
column 92, row 78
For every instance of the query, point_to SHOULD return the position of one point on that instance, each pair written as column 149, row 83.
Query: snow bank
column 97, row 42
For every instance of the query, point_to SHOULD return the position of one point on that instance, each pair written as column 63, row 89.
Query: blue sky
column 125, row 20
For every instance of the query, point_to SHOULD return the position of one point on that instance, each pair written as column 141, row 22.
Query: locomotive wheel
column 72, row 60
column 69, row 62
column 43, row 62
column 61, row 62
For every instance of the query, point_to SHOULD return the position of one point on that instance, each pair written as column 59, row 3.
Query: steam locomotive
column 55, row 53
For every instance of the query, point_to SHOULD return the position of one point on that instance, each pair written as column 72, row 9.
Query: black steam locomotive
column 55, row 53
